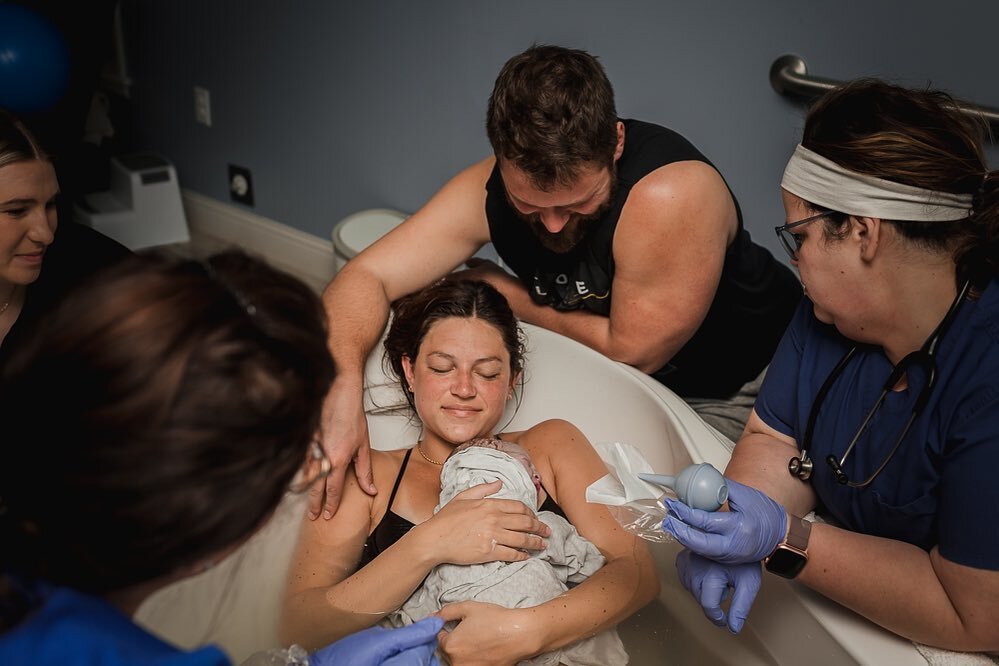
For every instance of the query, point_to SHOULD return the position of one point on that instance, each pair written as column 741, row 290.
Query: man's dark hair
column 552, row 112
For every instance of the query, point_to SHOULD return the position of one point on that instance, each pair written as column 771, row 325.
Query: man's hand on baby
column 473, row 529
column 486, row 634
column 344, row 438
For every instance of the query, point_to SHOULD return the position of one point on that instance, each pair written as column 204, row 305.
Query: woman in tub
column 457, row 348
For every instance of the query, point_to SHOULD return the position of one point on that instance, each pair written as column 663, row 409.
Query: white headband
column 822, row 182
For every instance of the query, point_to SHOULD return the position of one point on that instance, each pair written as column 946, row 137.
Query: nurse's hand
column 344, row 438
column 709, row 582
column 748, row 532
column 410, row 646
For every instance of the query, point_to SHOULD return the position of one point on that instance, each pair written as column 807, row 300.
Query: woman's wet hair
column 155, row 418
column 414, row 315
column 17, row 143
column 551, row 113
column 919, row 138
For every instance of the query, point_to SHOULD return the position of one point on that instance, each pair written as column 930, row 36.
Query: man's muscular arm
column 435, row 240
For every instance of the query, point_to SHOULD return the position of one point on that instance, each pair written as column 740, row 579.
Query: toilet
column 359, row 230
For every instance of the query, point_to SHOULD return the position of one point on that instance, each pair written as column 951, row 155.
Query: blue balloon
column 34, row 60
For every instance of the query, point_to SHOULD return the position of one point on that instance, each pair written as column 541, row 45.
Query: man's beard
column 574, row 230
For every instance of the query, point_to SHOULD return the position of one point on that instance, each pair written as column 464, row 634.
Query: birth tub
column 235, row 605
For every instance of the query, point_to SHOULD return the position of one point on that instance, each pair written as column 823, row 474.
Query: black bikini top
column 393, row 527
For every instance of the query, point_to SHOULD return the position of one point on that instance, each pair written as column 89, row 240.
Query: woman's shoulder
column 385, row 464
column 551, row 433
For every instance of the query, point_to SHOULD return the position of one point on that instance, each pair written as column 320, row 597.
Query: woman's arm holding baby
column 328, row 597
column 491, row 634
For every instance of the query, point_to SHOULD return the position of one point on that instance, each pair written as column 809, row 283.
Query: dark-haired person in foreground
column 621, row 234
column 152, row 423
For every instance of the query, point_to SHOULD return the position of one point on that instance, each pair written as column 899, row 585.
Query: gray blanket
column 569, row 559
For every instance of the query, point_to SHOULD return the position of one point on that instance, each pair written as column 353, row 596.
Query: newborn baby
column 568, row 559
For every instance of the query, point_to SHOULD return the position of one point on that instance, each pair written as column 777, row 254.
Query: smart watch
column 791, row 555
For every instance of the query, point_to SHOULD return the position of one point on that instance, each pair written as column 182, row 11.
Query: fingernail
column 327, row 514
column 313, row 515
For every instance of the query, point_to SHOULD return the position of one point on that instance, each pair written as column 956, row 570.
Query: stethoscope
column 925, row 358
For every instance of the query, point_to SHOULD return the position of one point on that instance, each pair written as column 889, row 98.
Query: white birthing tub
column 236, row 604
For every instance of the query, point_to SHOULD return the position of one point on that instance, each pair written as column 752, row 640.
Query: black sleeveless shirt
column 756, row 296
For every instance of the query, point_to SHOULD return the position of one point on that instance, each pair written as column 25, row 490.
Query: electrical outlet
column 202, row 106
column 240, row 185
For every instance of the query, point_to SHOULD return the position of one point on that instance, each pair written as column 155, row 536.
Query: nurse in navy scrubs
column 881, row 407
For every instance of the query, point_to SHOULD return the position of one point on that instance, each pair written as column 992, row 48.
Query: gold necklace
column 419, row 449
column 10, row 297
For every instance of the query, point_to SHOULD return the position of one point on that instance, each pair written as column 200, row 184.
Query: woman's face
column 460, row 379
column 27, row 219
column 829, row 270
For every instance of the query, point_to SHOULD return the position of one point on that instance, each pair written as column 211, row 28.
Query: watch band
column 798, row 531
column 791, row 555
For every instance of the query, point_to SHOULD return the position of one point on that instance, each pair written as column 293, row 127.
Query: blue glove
column 748, row 532
column 410, row 646
column 708, row 582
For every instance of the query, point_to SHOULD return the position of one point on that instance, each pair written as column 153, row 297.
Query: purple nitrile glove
column 748, row 532
column 708, row 582
column 377, row 646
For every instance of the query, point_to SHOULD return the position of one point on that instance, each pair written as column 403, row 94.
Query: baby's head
column 515, row 451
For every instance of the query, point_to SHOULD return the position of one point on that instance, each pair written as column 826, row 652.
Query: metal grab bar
column 789, row 76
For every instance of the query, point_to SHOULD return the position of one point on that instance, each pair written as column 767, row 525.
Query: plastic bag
column 296, row 655
column 635, row 504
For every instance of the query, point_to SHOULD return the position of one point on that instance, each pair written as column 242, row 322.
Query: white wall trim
column 308, row 257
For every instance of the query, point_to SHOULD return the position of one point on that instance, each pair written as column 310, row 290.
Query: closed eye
column 15, row 212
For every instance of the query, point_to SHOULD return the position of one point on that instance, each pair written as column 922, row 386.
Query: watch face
column 785, row 562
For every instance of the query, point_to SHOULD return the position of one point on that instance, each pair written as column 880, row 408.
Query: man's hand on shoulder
column 344, row 438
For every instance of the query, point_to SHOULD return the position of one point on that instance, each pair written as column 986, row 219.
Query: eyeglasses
column 923, row 359
column 317, row 466
column 792, row 242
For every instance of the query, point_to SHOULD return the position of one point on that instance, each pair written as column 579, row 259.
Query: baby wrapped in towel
column 569, row 558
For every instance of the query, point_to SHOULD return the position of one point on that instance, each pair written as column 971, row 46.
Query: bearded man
column 619, row 233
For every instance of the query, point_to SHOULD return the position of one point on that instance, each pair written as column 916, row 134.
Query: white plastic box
column 143, row 207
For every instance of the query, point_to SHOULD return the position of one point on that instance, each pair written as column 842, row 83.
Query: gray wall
column 338, row 106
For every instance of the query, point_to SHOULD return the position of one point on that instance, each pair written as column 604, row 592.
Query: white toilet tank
column 355, row 232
